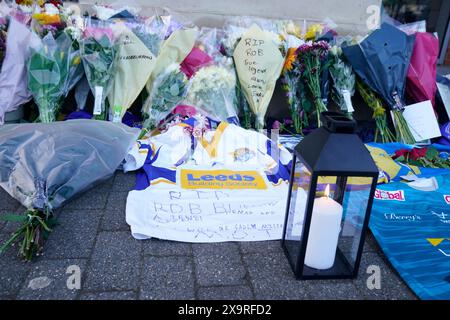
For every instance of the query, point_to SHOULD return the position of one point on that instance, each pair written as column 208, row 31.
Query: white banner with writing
column 191, row 214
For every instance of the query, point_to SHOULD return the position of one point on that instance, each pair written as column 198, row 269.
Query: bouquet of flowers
column 294, row 88
column 49, row 19
column 423, row 157
column 382, row 132
column 134, row 66
column 344, row 81
column 382, row 61
column 311, row 56
column 48, row 74
column 259, row 60
column 13, row 77
column 212, row 89
column 76, row 70
column 168, row 90
column 98, row 53
column 46, row 165
column 421, row 77
column 172, row 52
column 212, row 78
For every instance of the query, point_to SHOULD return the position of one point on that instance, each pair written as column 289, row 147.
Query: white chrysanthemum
column 213, row 89
column 211, row 78
column 74, row 32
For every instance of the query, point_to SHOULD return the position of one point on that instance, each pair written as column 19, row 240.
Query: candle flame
column 327, row 191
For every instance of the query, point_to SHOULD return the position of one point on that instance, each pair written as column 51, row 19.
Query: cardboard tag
column 422, row 121
column 348, row 101
column 98, row 100
column 117, row 114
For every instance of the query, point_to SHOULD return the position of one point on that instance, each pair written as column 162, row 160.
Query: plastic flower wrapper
column 98, row 53
column 151, row 32
column 133, row 67
column 259, row 63
column 421, row 77
column 311, row 56
column 46, row 165
column 168, row 90
column 343, row 81
column 317, row 31
column 212, row 89
column 382, row 132
column 236, row 27
column 382, row 61
column 76, row 69
column 13, row 77
column 20, row 10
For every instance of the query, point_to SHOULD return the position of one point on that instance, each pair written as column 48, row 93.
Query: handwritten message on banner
column 258, row 63
column 173, row 213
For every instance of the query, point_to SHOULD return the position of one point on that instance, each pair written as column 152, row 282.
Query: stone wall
column 351, row 16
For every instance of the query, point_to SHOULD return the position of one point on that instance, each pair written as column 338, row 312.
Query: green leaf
column 432, row 153
column 174, row 89
column 13, row 218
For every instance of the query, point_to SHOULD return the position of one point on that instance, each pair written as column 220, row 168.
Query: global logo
column 447, row 198
column 397, row 195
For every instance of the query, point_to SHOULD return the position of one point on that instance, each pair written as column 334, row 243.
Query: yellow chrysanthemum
column 313, row 31
column 290, row 58
column 41, row 3
column 45, row 19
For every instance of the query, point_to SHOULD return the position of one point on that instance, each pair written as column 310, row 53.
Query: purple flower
column 288, row 122
column 276, row 125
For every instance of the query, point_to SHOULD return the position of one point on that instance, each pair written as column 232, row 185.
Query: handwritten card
column 422, row 121
column 258, row 63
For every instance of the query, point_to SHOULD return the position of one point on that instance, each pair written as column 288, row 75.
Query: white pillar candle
column 323, row 233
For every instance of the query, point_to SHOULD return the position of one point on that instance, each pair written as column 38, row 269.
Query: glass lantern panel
column 297, row 206
column 336, row 225
column 355, row 202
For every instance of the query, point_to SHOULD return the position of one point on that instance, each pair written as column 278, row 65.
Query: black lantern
column 331, row 191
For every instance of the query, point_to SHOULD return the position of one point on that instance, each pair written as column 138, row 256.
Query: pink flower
column 276, row 125
column 418, row 153
column 400, row 153
column 185, row 110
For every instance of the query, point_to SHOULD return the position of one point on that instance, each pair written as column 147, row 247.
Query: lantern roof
column 334, row 148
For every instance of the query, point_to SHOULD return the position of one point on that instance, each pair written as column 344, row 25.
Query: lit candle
column 324, row 232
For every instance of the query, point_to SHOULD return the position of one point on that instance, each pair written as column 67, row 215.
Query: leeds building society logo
column 397, row 195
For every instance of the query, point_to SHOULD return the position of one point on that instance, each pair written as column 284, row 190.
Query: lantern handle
column 337, row 122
